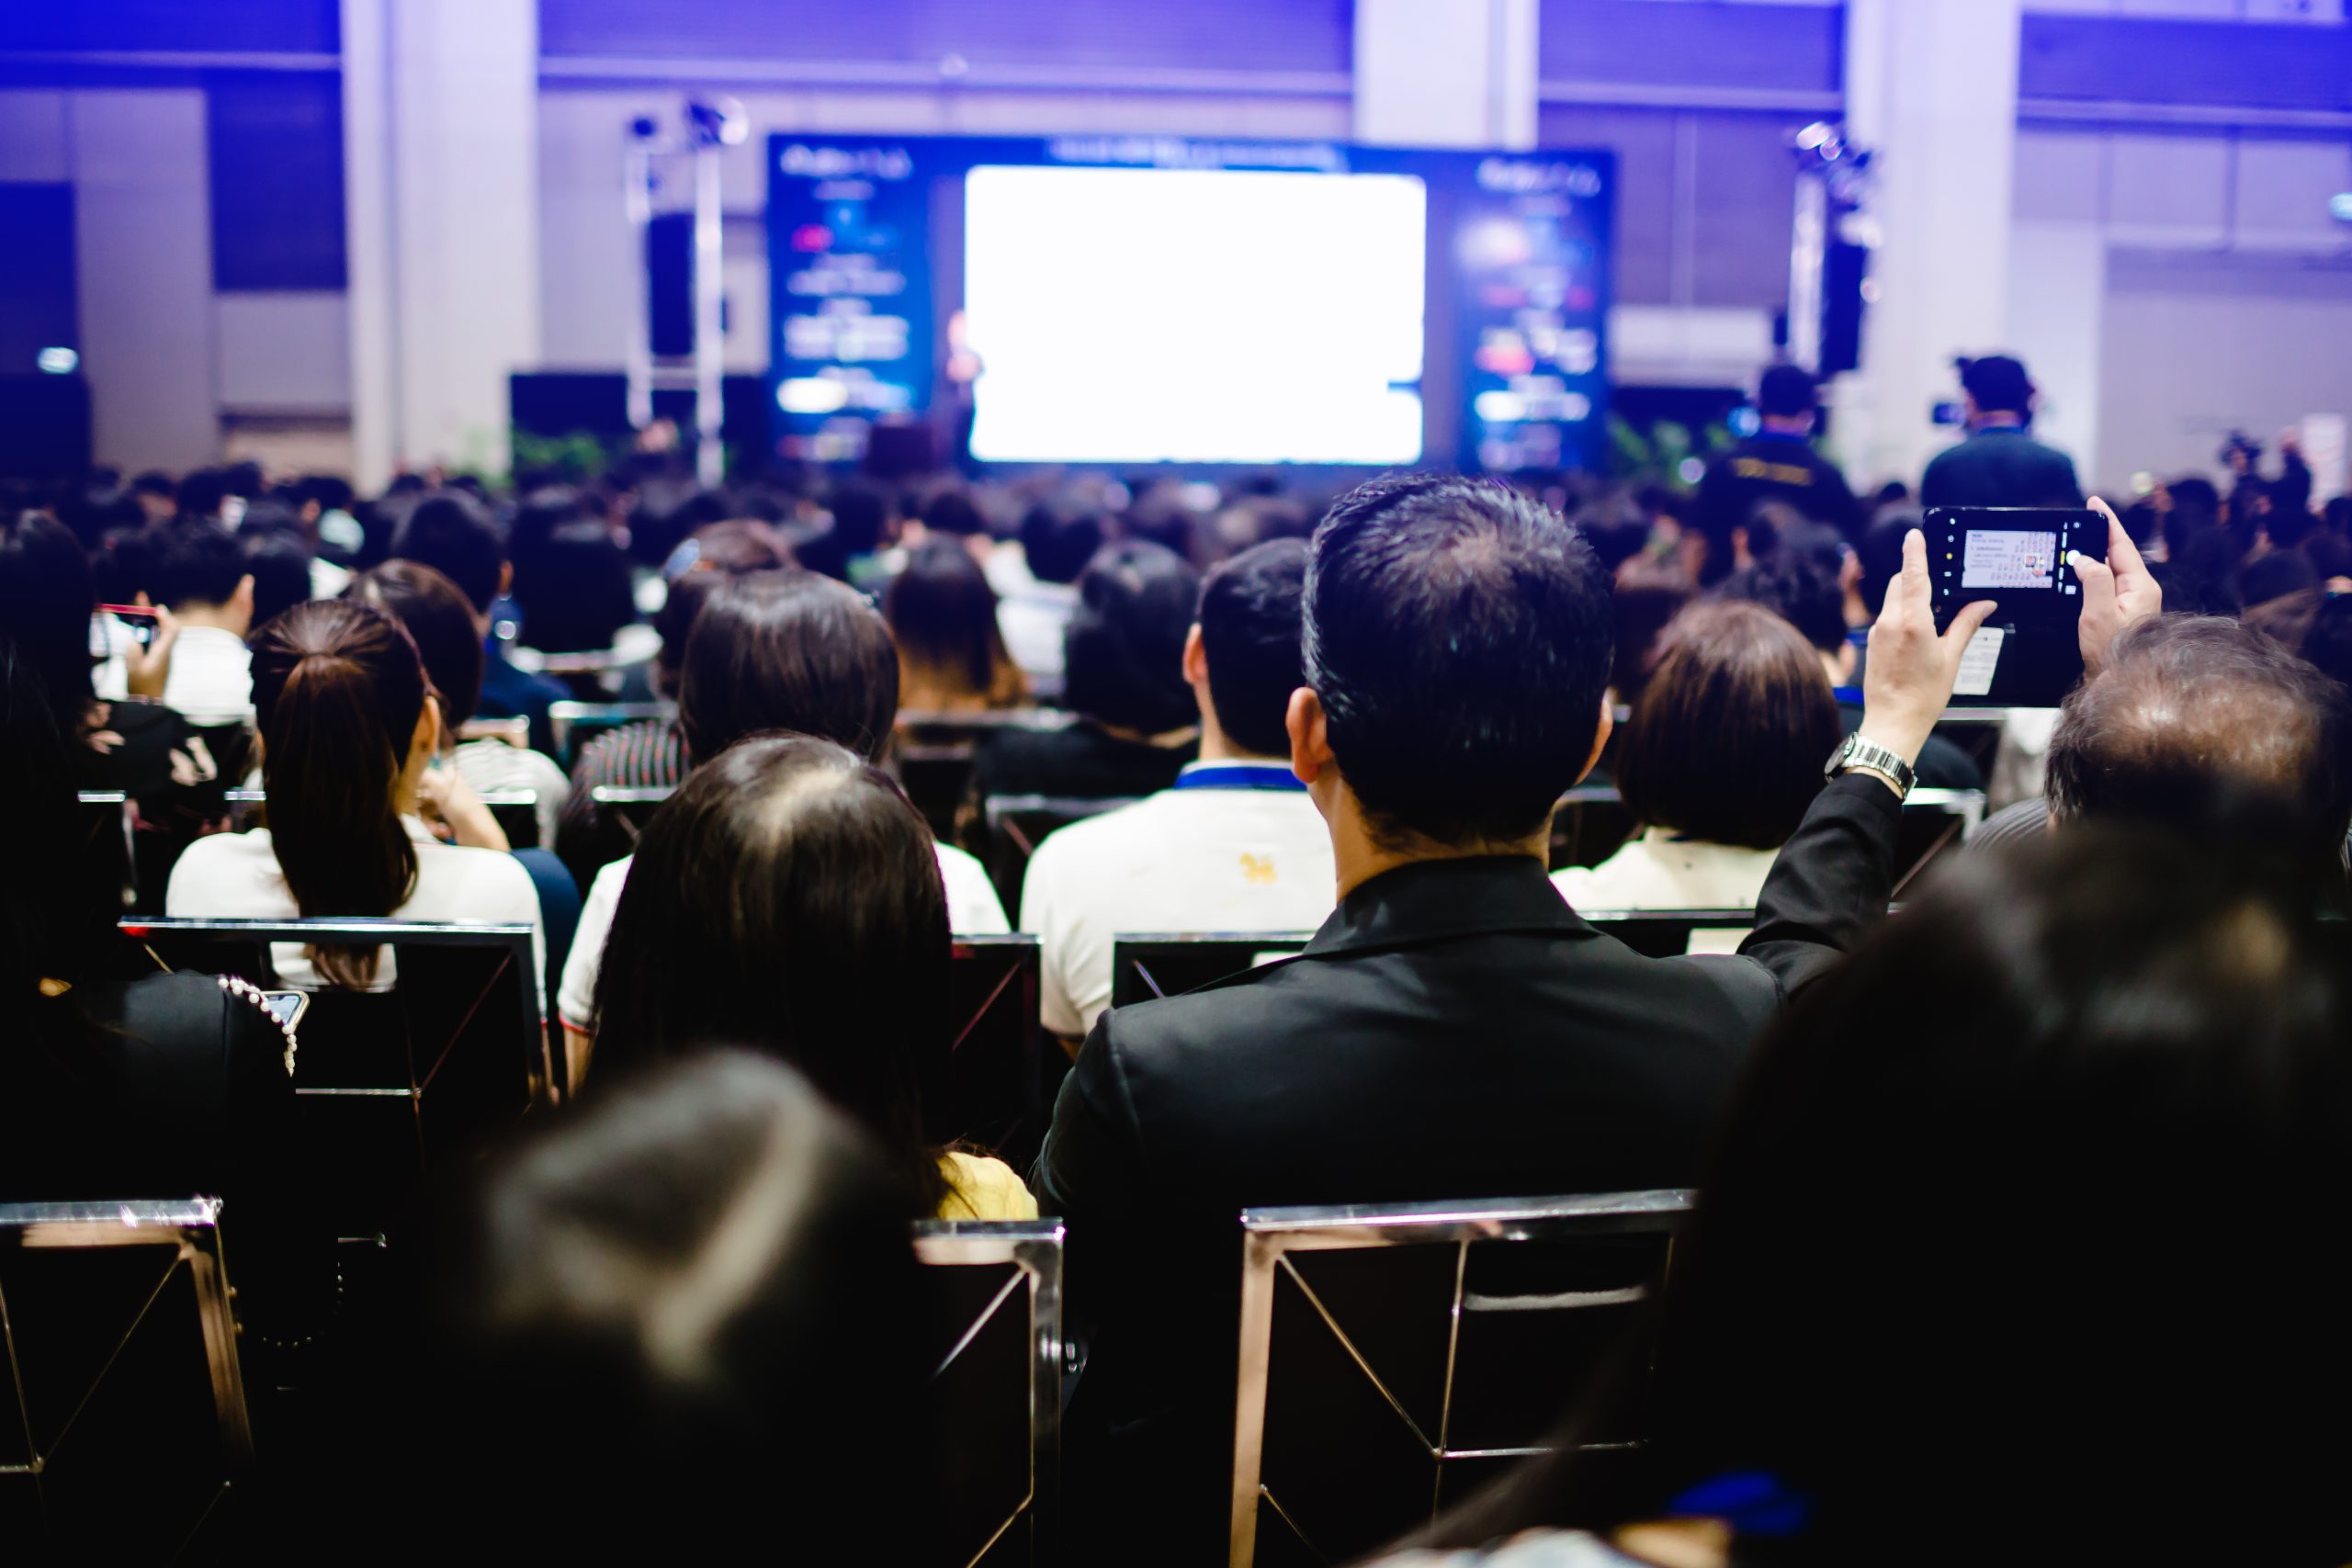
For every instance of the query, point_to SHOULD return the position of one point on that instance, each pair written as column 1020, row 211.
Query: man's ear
column 1196, row 657
column 1600, row 734
column 505, row 579
column 1310, row 745
column 241, row 600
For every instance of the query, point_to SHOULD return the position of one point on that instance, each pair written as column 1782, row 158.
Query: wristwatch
column 1854, row 752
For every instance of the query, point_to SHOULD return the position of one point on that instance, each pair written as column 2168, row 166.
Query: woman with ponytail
column 350, row 728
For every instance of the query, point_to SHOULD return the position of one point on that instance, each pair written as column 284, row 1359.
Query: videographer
column 1999, row 464
column 1776, row 464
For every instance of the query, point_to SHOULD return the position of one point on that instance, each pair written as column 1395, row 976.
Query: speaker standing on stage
column 1776, row 463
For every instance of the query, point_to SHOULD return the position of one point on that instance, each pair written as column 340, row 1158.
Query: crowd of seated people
column 1363, row 736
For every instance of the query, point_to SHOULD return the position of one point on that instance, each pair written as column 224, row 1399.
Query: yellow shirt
column 979, row 1188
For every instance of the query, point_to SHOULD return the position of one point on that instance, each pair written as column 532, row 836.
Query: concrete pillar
column 1931, row 89
column 441, row 153
column 1445, row 72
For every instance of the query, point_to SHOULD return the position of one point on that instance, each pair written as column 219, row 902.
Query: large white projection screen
column 1204, row 316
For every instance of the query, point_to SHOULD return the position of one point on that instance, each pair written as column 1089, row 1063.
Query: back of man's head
column 194, row 563
column 1250, row 631
column 1999, row 384
column 452, row 533
column 2192, row 711
column 1458, row 636
column 1058, row 547
column 1785, row 393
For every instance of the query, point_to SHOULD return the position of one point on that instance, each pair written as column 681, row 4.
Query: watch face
column 1838, row 755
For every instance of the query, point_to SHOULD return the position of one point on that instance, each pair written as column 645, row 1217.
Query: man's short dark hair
column 194, row 563
column 452, row 535
column 1459, row 635
column 1250, row 629
column 1998, row 383
column 1057, row 547
column 1786, row 392
column 2189, row 710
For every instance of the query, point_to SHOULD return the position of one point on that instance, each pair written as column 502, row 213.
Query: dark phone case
column 1946, row 526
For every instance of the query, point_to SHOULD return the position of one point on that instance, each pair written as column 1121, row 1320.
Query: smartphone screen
column 2016, row 556
column 140, row 623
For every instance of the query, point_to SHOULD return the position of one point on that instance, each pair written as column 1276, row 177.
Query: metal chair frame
column 190, row 1226
column 1033, row 1248
column 1270, row 1236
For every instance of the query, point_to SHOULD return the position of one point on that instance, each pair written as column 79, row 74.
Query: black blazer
column 2000, row 468
column 1453, row 1030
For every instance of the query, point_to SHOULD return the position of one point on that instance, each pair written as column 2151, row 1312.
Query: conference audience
column 1453, row 1030
column 1123, row 676
column 1998, row 463
column 1034, row 613
column 1649, row 595
column 2012, row 1219
column 942, row 614
column 349, row 730
column 701, row 1289
column 440, row 622
column 775, row 650
column 830, row 951
column 1234, row 845
column 1719, row 762
column 650, row 753
column 454, row 535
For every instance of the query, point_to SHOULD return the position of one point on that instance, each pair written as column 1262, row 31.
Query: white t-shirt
column 1196, row 858
column 210, row 681
column 236, row 877
column 973, row 909
column 1660, row 871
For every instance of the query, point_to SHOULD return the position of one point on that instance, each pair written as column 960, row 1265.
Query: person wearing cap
column 1776, row 464
column 1999, row 464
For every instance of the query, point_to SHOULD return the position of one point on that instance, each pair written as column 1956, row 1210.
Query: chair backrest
column 1017, row 824
column 391, row 1084
column 1150, row 964
column 514, row 732
column 999, row 1383
column 933, row 754
column 1934, row 821
column 122, row 1420
column 1394, row 1359
column 1002, row 1073
column 629, row 807
column 576, row 724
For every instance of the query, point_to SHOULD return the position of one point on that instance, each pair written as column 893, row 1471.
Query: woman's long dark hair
column 2024, row 1240
column 788, row 899
column 338, row 688
column 943, row 615
column 435, row 612
column 46, row 595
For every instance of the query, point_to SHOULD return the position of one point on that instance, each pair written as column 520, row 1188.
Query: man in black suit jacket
column 1999, row 464
column 1453, row 1030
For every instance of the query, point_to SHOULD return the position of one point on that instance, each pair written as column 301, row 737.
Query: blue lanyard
column 1243, row 775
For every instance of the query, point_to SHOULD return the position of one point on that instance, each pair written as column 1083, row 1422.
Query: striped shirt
column 649, row 754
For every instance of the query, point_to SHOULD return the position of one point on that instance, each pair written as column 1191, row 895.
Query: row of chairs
column 1389, row 1360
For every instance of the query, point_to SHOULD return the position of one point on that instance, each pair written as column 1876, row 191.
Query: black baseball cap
column 1786, row 391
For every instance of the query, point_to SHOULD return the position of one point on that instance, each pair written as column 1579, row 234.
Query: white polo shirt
column 236, row 877
column 1234, row 847
column 973, row 909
